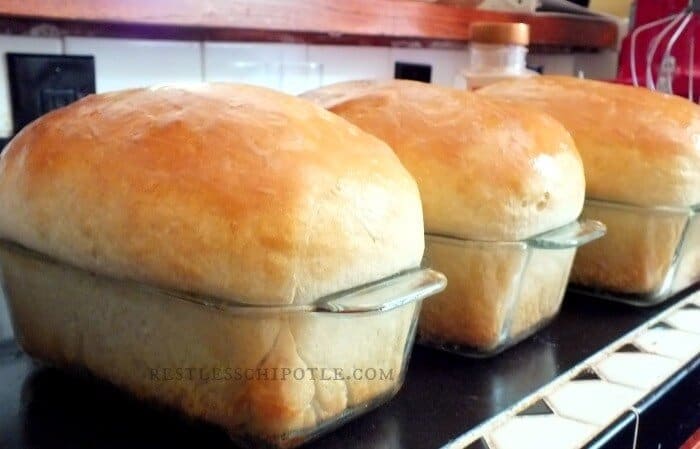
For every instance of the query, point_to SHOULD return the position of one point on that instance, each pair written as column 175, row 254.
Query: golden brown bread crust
column 227, row 190
column 638, row 146
column 486, row 170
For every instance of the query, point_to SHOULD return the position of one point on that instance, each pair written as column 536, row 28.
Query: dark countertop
column 443, row 397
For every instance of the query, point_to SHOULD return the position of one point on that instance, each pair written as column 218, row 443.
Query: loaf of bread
column 230, row 192
column 487, row 172
column 266, row 378
column 638, row 147
column 225, row 190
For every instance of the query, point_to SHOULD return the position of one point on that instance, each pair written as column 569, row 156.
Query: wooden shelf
column 315, row 20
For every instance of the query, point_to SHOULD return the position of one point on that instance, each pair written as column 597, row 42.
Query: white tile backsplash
column 346, row 63
column 292, row 68
column 18, row 44
column 300, row 77
column 446, row 64
column 126, row 63
column 601, row 65
column 553, row 64
column 218, row 54
column 278, row 66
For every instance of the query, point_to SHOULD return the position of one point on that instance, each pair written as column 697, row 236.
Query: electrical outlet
column 42, row 83
column 410, row 71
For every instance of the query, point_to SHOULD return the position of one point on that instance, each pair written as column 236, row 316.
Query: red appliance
column 663, row 47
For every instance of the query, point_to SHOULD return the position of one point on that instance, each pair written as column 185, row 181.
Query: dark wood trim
column 358, row 22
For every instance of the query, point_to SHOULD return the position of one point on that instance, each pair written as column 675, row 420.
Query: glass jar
column 497, row 52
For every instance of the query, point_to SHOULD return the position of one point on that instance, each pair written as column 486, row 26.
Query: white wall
column 126, row 63
column 293, row 68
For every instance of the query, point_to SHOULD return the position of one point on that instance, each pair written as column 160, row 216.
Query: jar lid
column 500, row 33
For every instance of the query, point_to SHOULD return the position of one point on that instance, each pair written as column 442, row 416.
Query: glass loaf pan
column 647, row 255
column 273, row 376
column 498, row 292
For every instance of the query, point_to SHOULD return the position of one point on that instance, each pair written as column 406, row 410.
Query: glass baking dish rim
column 391, row 292
column 683, row 210
column 572, row 235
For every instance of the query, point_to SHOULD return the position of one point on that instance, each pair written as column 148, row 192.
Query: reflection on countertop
column 5, row 325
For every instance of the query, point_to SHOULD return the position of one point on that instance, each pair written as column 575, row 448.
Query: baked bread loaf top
column 486, row 170
column 233, row 191
column 638, row 146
